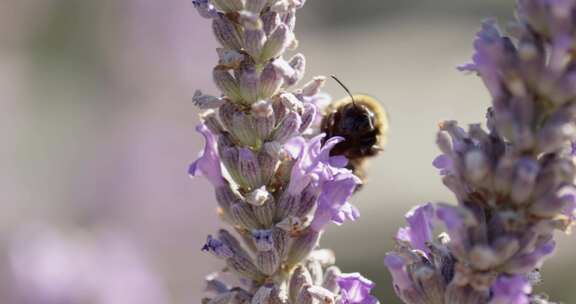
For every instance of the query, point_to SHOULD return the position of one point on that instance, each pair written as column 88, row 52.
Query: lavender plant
column 514, row 182
column 275, row 182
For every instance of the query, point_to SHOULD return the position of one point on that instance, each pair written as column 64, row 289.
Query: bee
column 362, row 122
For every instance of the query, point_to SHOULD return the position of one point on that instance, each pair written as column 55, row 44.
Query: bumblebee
column 362, row 122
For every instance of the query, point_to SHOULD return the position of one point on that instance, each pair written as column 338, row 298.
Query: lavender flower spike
column 275, row 182
column 514, row 182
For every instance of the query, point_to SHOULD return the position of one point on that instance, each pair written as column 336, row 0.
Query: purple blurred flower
column 419, row 230
column 511, row 290
column 50, row 268
column 514, row 182
column 443, row 163
column 489, row 51
column 396, row 265
column 355, row 289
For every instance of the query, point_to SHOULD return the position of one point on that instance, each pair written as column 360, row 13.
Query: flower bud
column 286, row 204
column 226, row 33
column 324, row 256
column 308, row 116
column 217, row 248
column 477, row 166
column 443, row 142
column 290, row 19
column 322, row 294
column 434, row 282
column 249, row 168
column 526, row 173
column 258, row 197
column 285, row 70
column 277, row 42
column 299, row 280
column 331, row 276
column 270, row 21
column 315, row 269
column 281, row 239
column 280, row 6
column 271, row 80
column 504, row 175
column 267, row 261
column 214, row 285
column 227, row 84
column 226, row 197
column 210, row 119
column 205, row 102
column 205, row 8
column 225, row 298
column 256, row 6
column 298, row 65
column 226, row 112
column 265, row 212
column 505, row 247
column 244, row 266
column 307, row 202
column 314, row 86
column 243, row 215
column 229, row 157
column 264, row 120
column 254, row 41
column 230, row 240
column 305, row 297
column 464, row 294
column 248, row 83
column 263, row 239
column 249, row 21
column 302, row 246
column 288, row 128
column 291, row 102
column 482, row 257
column 230, row 59
column 229, row 6
column 292, row 224
column 268, row 160
column 549, row 206
column 554, row 136
column 243, row 129
column 262, row 295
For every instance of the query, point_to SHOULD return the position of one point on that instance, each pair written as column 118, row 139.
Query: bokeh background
column 97, row 124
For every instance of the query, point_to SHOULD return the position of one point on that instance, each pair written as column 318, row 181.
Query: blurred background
column 97, row 131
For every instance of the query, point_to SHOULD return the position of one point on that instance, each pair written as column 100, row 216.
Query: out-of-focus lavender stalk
column 514, row 182
column 275, row 184
column 42, row 265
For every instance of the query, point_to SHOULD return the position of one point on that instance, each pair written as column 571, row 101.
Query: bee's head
column 357, row 119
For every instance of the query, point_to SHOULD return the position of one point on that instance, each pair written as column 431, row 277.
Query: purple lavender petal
column 527, row 262
column 355, row 289
column 420, row 226
column 396, row 265
column 334, row 195
column 217, row 248
column 205, row 8
column 511, row 290
column 346, row 212
column 208, row 163
column 488, row 46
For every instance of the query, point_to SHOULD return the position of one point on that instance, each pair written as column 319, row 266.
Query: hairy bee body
column 363, row 124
